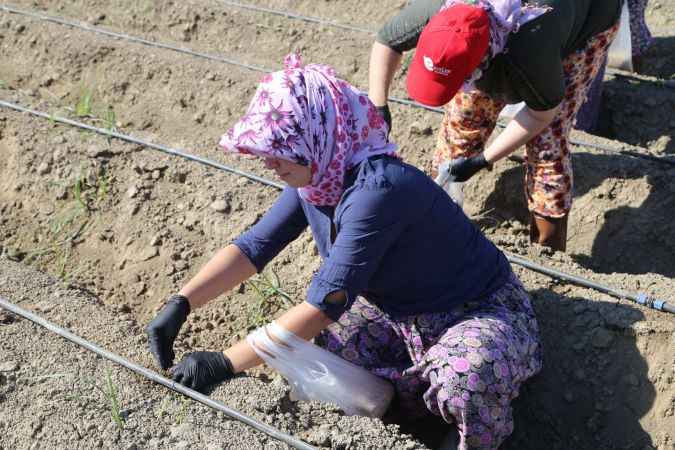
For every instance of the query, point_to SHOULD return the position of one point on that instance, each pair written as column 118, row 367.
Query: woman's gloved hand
column 200, row 369
column 462, row 169
column 386, row 115
column 163, row 329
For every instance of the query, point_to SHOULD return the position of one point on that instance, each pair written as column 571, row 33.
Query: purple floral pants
column 466, row 365
column 641, row 38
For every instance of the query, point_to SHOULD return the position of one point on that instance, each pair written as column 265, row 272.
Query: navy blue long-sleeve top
column 399, row 241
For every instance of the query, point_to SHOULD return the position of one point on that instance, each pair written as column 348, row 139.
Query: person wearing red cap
column 476, row 56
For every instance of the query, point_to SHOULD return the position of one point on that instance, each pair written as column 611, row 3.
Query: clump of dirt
column 127, row 226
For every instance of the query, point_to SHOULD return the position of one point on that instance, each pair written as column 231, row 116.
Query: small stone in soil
column 220, row 206
column 44, row 168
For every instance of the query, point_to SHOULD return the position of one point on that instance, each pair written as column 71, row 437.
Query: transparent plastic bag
column 317, row 374
column 454, row 189
column 620, row 53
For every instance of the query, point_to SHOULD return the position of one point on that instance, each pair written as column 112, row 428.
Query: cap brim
column 426, row 89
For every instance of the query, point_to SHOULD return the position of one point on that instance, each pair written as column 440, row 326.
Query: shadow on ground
column 658, row 60
column 592, row 391
column 605, row 234
column 594, row 387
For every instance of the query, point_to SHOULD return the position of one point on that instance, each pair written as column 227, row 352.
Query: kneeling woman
column 408, row 289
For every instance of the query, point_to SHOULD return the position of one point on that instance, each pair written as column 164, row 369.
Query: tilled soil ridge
column 54, row 394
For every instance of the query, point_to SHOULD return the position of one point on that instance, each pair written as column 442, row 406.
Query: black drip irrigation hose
column 127, row 138
column 127, row 37
column 629, row 76
column 642, row 299
column 157, row 378
column 256, row 68
column 292, row 15
column 610, row 149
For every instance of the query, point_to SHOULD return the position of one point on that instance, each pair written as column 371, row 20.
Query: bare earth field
column 96, row 233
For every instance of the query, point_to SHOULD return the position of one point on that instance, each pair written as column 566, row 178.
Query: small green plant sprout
column 270, row 298
column 110, row 121
column 145, row 7
column 84, row 102
column 173, row 407
column 112, row 395
column 163, row 407
column 74, row 218
column 182, row 411
column 3, row 84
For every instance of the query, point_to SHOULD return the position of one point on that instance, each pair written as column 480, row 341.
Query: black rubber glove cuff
column 182, row 302
column 464, row 168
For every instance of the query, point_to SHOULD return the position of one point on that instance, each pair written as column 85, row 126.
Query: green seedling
column 73, row 220
column 3, row 84
column 163, row 407
column 83, row 105
column 145, row 7
column 112, row 394
column 174, row 406
column 110, row 121
column 270, row 298
column 183, row 410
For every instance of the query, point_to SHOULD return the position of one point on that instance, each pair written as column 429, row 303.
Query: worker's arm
column 398, row 35
column 527, row 124
column 228, row 268
column 384, row 62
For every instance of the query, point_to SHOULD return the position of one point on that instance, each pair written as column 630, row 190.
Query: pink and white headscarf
column 309, row 116
column 506, row 17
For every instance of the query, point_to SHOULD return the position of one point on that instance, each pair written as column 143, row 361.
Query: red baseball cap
column 450, row 48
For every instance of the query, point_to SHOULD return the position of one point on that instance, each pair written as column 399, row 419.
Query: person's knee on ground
column 549, row 231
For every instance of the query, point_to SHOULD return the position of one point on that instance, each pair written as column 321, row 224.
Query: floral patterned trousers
column 471, row 117
column 640, row 37
column 465, row 365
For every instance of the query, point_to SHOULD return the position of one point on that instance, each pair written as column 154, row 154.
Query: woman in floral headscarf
column 409, row 288
column 476, row 56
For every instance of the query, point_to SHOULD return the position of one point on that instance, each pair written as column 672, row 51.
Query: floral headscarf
column 506, row 17
column 309, row 116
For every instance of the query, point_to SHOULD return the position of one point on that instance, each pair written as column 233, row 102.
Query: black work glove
column 386, row 115
column 163, row 329
column 464, row 168
column 200, row 369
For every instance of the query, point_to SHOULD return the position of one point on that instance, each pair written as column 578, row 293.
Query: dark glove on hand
column 163, row 329
column 200, row 369
column 464, row 168
column 386, row 114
